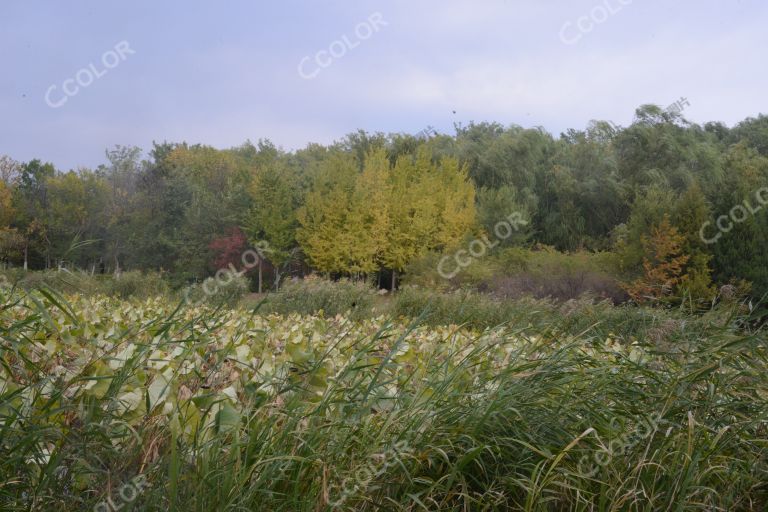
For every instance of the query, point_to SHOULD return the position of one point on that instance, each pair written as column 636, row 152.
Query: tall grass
column 123, row 285
column 563, row 424
column 312, row 296
column 666, row 328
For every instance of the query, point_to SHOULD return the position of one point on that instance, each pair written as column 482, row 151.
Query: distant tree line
column 372, row 203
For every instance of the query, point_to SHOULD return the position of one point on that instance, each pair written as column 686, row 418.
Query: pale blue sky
column 222, row 72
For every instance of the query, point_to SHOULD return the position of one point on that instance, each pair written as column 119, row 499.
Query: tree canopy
column 376, row 202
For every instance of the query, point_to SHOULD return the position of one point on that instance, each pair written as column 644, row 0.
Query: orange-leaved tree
column 663, row 264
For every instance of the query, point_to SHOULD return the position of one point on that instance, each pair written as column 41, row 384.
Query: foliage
column 313, row 296
column 742, row 251
column 126, row 284
column 382, row 202
column 663, row 264
column 227, row 290
column 227, row 410
column 539, row 272
column 495, row 205
column 272, row 216
column 546, row 273
column 385, row 216
column 228, row 250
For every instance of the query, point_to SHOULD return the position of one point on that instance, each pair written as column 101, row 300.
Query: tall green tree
column 741, row 250
column 495, row 205
column 31, row 204
column 691, row 212
column 272, row 218
column 9, row 239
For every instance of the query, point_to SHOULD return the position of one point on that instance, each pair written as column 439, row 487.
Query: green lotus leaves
column 201, row 371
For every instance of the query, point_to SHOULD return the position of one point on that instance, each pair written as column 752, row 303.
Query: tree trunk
column 394, row 280
column 26, row 254
column 259, row 275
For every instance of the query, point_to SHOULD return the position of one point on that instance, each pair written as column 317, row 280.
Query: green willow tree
column 31, row 204
column 272, row 217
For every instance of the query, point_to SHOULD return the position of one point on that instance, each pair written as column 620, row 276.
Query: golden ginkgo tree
column 385, row 215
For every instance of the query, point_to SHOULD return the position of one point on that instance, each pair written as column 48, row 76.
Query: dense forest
column 674, row 202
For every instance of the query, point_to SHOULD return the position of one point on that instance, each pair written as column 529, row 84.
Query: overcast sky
column 222, row 72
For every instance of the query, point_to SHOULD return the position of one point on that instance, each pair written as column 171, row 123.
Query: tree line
column 370, row 204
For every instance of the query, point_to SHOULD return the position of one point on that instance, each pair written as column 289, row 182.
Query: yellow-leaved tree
column 433, row 207
column 357, row 222
column 369, row 214
column 324, row 219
